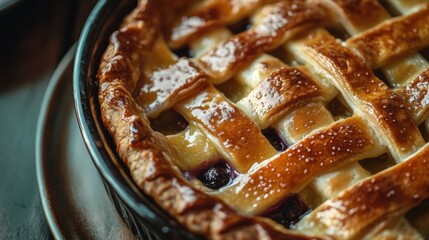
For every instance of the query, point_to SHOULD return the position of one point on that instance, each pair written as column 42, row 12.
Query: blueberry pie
column 259, row 119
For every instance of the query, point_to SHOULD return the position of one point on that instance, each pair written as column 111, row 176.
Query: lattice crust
column 396, row 189
column 363, row 90
column 232, row 90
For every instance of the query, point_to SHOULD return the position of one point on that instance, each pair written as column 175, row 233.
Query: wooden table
column 33, row 37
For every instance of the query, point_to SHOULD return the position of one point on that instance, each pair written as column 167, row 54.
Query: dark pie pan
column 73, row 208
column 145, row 219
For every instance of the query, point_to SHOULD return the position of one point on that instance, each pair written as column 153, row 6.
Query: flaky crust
column 145, row 152
column 130, row 92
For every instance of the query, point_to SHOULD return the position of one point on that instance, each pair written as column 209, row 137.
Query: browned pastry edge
column 360, row 84
column 285, row 90
column 143, row 150
column 394, row 38
column 398, row 188
column 265, row 35
column 353, row 12
column 415, row 93
column 214, row 14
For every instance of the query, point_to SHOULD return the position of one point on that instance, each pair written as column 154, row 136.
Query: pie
column 259, row 119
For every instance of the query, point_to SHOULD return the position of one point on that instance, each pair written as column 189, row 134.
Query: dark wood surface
column 34, row 35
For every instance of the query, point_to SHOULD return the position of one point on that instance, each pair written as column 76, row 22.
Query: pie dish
column 275, row 119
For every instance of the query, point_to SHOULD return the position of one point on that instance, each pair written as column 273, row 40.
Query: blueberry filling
column 288, row 212
column 274, row 139
column 213, row 176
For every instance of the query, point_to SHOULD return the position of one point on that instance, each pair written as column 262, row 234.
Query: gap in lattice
column 275, row 140
column 419, row 217
column 339, row 108
column 377, row 164
column 389, row 8
column 240, row 26
column 183, row 52
column 338, row 32
column 380, row 75
column 282, row 54
column 169, row 122
column 424, row 131
column 425, row 53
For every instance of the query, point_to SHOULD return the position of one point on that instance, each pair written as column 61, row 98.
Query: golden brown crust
column 350, row 13
column 231, row 129
column 339, row 144
column 220, row 216
column 416, row 94
column 394, row 190
column 282, row 21
column 304, row 120
column 143, row 150
column 215, row 14
column 167, row 86
column 365, row 92
column 393, row 38
column 283, row 91
column 152, row 171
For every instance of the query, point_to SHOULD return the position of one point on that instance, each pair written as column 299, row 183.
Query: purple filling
column 273, row 137
column 213, row 176
column 289, row 211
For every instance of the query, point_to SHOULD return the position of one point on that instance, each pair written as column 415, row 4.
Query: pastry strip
column 293, row 125
column 167, row 86
column 362, row 90
column 341, row 143
column 278, row 23
column 283, row 91
column 237, row 138
column 394, row 190
column 212, row 14
column 416, row 95
column 398, row 72
column 353, row 12
column 393, row 38
column 146, row 153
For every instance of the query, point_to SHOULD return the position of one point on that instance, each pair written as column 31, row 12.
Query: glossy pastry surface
column 275, row 119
